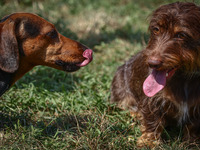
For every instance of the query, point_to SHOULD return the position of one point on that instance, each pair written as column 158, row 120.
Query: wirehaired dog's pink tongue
column 154, row 83
column 87, row 54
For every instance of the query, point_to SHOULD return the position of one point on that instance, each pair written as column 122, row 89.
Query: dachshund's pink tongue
column 154, row 82
column 88, row 55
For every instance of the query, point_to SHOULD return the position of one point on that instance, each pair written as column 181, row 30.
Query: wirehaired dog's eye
column 181, row 35
column 155, row 30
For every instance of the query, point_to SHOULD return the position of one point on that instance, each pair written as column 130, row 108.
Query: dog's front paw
column 148, row 140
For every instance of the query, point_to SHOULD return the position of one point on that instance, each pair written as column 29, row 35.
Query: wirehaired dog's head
column 174, row 42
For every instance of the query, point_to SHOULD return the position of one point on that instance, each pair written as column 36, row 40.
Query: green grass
column 49, row 109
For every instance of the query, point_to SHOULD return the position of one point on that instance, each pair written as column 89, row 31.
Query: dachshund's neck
column 24, row 67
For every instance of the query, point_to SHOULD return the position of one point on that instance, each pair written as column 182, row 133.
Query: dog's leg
column 152, row 124
column 150, row 135
column 191, row 132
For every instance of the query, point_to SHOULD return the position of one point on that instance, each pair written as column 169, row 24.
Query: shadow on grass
column 78, row 127
column 126, row 33
column 71, row 123
column 52, row 80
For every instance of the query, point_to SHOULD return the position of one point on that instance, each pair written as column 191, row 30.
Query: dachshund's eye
column 155, row 30
column 52, row 34
column 181, row 35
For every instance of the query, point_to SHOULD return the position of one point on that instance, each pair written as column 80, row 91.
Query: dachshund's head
column 27, row 40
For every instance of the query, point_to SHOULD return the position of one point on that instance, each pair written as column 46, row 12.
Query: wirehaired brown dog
column 161, row 84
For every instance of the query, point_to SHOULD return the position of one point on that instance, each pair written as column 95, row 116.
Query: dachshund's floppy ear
column 9, row 56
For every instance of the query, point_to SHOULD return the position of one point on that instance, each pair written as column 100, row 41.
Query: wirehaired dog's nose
column 153, row 63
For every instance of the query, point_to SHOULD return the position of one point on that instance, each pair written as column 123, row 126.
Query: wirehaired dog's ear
column 9, row 53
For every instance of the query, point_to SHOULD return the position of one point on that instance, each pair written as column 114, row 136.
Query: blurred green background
column 49, row 109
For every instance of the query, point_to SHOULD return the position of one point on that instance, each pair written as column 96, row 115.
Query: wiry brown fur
column 174, row 43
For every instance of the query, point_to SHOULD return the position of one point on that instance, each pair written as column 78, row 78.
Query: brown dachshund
column 27, row 40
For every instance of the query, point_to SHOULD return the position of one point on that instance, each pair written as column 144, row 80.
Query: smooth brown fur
column 174, row 44
column 27, row 40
